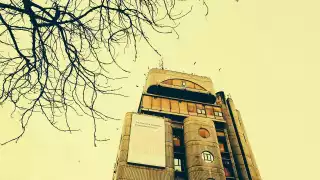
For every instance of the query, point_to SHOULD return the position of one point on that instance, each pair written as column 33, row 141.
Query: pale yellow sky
column 269, row 59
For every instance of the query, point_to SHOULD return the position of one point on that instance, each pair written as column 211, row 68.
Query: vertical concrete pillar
column 247, row 148
column 195, row 145
column 231, row 155
column 233, row 139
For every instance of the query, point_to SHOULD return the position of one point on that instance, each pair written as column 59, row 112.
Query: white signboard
column 147, row 141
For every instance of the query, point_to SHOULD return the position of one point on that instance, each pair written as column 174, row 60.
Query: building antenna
column 161, row 65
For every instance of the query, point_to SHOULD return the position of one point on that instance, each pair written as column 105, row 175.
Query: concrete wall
column 197, row 168
column 125, row 171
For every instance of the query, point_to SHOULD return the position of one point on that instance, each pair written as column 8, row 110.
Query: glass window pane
column 220, row 133
column 200, row 106
column 176, row 82
column 169, row 82
column 176, row 161
column 209, row 111
column 192, row 109
column 174, row 106
column 207, row 156
column 196, row 86
column 183, row 108
column 146, row 102
column 189, row 84
column 227, row 172
column 156, row 103
column 176, row 141
column 216, row 109
column 165, row 104
column 221, row 146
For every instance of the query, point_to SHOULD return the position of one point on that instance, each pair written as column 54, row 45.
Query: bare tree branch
column 56, row 66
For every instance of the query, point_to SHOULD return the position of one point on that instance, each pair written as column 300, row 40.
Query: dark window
column 176, row 141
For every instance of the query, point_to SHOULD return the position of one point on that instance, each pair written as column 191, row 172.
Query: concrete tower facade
column 184, row 130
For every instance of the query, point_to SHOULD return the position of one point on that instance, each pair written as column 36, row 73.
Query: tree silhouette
column 50, row 52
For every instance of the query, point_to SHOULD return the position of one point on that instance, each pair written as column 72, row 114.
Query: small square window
column 184, row 84
column 199, row 111
column 203, row 111
column 216, row 113
column 220, row 114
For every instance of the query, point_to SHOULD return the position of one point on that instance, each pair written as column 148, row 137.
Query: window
column 220, row 133
column 184, row 84
column 169, row 82
column 204, row 132
column 165, row 104
column 226, row 163
column 221, row 146
column 177, row 164
column 217, row 111
column 146, row 102
column 209, row 111
column 174, row 106
column 218, row 114
column 183, row 107
column 200, row 109
column 176, row 140
column 196, row 86
column 207, row 156
column 192, row 109
column 190, row 84
column 227, row 172
column 156, row 103
column 176, row 82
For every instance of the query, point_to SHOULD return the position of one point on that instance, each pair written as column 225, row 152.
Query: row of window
column 206, row 157
column 182, row 107
column 183, row 83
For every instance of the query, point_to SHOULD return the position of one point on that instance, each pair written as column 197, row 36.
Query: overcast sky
column 268, row 52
